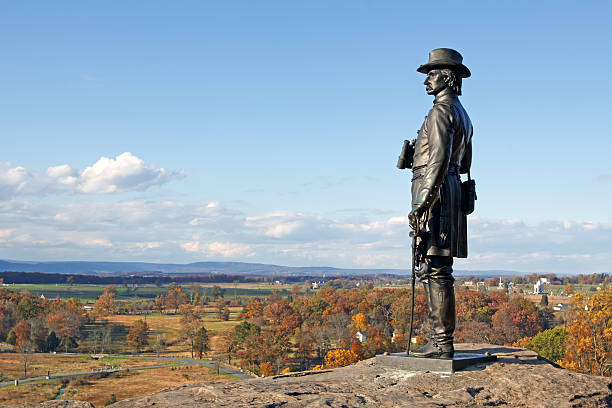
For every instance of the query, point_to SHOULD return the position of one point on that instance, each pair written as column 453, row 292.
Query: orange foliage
column 22, row 331
column 266, row 369
column 137, row 337
column 357, row 348
column 360, row 322
column 318, row 367
column 589, row 342
column 340, row 358
column 253, row 309
column 107, row 302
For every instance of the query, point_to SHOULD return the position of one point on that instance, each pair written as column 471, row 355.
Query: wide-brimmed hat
column 445, row 58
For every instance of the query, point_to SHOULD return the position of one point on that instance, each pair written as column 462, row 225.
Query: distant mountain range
column 204, row 268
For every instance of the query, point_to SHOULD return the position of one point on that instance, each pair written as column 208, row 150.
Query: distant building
column 481, row 283
column 361, row 336
column 468, row 283
column 395, row 333
column 87, row 308
column 538, row 288
column 560, row 307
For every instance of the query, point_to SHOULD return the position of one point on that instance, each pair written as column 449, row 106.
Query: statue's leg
column 438, row 283
column 442, row 294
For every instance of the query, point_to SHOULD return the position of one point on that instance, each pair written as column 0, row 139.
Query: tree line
column 301, row 332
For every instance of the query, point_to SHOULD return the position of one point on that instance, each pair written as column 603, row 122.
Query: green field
column 89, row 293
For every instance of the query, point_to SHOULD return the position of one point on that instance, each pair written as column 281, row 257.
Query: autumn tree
column 474, row 311
column 195, row 292
column 340, row 358
column 159, row 344
column 29, row 306
column 305, row 347
column 137, row 337
column 253, row 309
column 281, row 317
column 239, row 334
column 67, row 324
column 107, row 302
column 175, row 298
column 216, row 292
column 266, row 369
column 589, row 340
column 22, row 336
column 220, row 306
column 515, row 319
column 201, row 342
column 191, row 322
column 357, row 348
column 360, row 322
column 400, row 309
column 375, row 342
column 159, row 304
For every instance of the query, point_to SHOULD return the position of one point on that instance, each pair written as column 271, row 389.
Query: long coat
column 443, row 150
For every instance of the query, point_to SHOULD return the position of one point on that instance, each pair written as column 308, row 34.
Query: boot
column 434, row 350
column 440, row 296
column 443, row 314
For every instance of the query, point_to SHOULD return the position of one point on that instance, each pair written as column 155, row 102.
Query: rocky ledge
column 519, row 378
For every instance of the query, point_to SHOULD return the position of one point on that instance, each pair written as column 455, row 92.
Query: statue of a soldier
column 442, row 151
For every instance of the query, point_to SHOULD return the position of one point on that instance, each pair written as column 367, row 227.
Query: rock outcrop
column 519, row 378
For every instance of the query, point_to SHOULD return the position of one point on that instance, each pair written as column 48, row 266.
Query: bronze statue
column 442, row 151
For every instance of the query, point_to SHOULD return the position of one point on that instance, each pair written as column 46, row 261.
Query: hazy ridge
column 240, row 268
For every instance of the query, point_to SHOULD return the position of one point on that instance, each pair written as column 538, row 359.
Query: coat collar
column 446, row 96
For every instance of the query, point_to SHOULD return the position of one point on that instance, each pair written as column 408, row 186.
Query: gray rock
column 523, row 382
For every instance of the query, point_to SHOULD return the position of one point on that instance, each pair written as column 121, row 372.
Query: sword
column 415, row 234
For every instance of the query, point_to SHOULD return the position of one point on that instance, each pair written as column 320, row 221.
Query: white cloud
column 126, row 172
column 173, row 231
column 225, row 249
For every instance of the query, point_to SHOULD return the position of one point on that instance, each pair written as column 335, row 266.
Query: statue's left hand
column 414, row 217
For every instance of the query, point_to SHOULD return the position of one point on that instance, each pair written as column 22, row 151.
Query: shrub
column 550, row 343
column 112, row 399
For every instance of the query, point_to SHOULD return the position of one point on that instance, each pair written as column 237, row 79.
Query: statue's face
column 434, row 83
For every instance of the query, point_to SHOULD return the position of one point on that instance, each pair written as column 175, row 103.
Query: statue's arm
column 440, row 132
column 466, row 162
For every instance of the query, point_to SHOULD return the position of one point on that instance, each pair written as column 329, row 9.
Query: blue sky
column 269, row 131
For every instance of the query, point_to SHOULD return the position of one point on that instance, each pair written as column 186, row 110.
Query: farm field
column 11, row 364
column 98, row 388
column 167, row 325
column 89, row 293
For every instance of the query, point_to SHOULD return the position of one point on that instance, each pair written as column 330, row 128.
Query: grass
column 29, row 392
column 11, row 364
column 97, row 388
column 137, row 383
column 89, row 293
column 168, row 325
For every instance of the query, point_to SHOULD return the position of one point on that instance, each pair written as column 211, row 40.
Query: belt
column 417, row 171
column 453, row 170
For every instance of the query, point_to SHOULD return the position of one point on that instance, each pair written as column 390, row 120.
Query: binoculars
column 406, row 159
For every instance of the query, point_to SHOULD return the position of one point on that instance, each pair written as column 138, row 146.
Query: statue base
column 461, row 360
